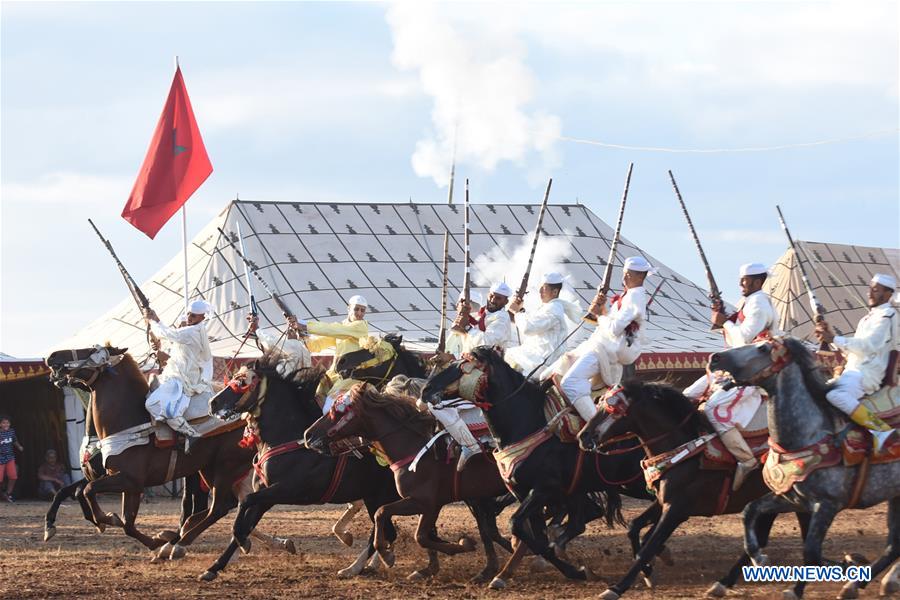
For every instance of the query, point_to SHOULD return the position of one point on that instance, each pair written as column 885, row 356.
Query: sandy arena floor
column 79, row 562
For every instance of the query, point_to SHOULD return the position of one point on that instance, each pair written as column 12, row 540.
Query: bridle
column 244, row 382
column 780, row 356
column 349, row 408
column 98, row 361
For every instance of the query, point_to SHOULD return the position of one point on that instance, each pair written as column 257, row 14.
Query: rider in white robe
column 868, row 354
column 731, row 408
column 616, row 342
column 295, row 353
column 188, row 371
column 544, row 331
column 490, row 327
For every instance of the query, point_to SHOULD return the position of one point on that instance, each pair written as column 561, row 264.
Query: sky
column 364, row 102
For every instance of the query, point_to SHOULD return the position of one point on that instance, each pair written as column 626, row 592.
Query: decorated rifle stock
column 596, row 305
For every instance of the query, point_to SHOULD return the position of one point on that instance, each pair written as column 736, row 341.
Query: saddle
column 570, row 423
column 197, row 415
column 717, row 457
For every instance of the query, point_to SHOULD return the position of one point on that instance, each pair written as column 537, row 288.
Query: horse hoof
column 416, row 576
column 856, row 559
column 167, row 535
column 588, row 574
column 497, row 584
column 101, row 527
column 178, row 552
column 716, row 590
column 347, row 573
column 49, row 532
column 388, row 558
column 467, row 543
column 116, row 521
column 345, row 537
column 483, row 577
column 789, row 595
column 759, row 560
column 890, row 587
column 609, row 595
column 649, row 581
column 244, row 546
column 289, row 546
column 849, row 591
column 665, row 556
column 208, row 576
column 162, row 553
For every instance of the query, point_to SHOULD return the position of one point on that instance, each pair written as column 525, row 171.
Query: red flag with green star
column 175, row 166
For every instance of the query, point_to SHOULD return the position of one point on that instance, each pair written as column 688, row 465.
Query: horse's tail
column 610, row 504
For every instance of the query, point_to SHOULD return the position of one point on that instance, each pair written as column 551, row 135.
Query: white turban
column 357, row 301
column 502, row 289
column 753, row 269
column 886, row 280
column 553, row 278
column 199, row 307
column 638, row 264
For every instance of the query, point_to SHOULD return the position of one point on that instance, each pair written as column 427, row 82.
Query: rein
column 781, row 357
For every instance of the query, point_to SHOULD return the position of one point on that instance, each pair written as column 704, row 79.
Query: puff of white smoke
column 504, row 262
column 480, row 86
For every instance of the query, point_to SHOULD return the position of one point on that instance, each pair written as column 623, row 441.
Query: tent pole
column 184, row 253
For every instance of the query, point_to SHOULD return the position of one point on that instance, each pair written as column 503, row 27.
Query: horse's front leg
column 821, row 517
column 131, row 504
column 528, row 525
column 770, row 504
column 720, row 588
column 58, row 497
column 484, row 517
column 403, row 507
column 109, row 484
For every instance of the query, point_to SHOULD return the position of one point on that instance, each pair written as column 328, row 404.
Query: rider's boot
column 881, row 431
column 585, row 407
column 180, row 425
column 738, row 447
column 468, row 444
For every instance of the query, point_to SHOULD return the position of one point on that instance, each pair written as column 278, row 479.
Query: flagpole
column 184, row 240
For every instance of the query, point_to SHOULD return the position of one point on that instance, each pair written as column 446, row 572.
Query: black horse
column 283, row 407
column 554, row 474
column 355, row 365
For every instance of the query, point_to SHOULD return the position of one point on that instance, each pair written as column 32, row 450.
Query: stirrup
column 880, row 438
column 464, row 455
column 741, row 472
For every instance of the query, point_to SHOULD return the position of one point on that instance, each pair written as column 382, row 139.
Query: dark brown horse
column 664, row 420
column 399, row 430
column 118, row 391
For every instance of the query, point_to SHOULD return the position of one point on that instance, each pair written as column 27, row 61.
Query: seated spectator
column 52, row 476
column 8, row 470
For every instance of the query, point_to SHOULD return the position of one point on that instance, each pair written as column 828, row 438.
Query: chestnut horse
column 118, row 391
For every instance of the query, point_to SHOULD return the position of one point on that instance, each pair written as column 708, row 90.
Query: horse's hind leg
column 339, row 529
column 821, row 517
column 770, row 504
column 721, row 587
column 131, row 504
column 426, row 539
column 528, row 525
column 223, row 501
column 519, row 550
column 891, row 553
column 486, row 520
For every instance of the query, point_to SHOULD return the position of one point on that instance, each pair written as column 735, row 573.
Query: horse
column 118, row 391
column 282, row 406
column 396, row 428
column 543, row 471
column 673, row 433
column 800, row 419
column 360, row 364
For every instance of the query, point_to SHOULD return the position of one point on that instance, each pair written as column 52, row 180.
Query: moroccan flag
column 175, row 166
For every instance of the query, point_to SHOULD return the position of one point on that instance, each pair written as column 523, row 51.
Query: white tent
column 317, row 255
column 839, row 275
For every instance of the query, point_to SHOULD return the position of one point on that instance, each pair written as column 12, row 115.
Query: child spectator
column 52, row 476
column 7, row 457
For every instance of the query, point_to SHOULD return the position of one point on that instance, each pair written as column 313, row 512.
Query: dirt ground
column 79, row 562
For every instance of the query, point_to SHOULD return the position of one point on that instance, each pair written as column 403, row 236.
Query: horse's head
column 752, row 364
column 242, row 393
column 83, row 366
column 375, row 363
column 466, row 378
column 645, row 409
column 345, row 419
column 351, row 360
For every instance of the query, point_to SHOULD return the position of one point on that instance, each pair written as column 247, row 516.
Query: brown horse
column 399, row 430
column 118, row 391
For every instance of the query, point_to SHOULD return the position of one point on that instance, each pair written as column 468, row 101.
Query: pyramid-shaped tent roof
column 839, row 275
column 317, row 255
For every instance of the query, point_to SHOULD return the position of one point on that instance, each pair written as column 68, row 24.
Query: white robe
column 497, row 332
column 755, row 316
column 868, row 350
column 187, row 373
column 542, row 333
column 296, row 354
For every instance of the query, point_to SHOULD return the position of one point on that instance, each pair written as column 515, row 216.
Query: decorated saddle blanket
column 511, row 457
column 207, row 426
column 571, row 422
column 850, row 448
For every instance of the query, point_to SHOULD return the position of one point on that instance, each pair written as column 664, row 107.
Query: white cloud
column 481, row 88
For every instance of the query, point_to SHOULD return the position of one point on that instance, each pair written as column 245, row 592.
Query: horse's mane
column 668, row 400
column 505, row 376
column 408, row 356
column 398, row 406
column 812, row 374
column 304, row 379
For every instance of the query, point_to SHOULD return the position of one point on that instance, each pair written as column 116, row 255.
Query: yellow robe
column 346, row 336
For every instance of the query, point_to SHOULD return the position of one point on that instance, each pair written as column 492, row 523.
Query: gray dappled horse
column 799, row 418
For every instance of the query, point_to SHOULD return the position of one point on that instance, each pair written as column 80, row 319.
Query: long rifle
column 595, row 307
column 818, row 310
column 714, row 294
column 461, row 323
column 139, row 298
column 523, row 286
column 442, row 336
column 278, row 301
column 254, row 310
